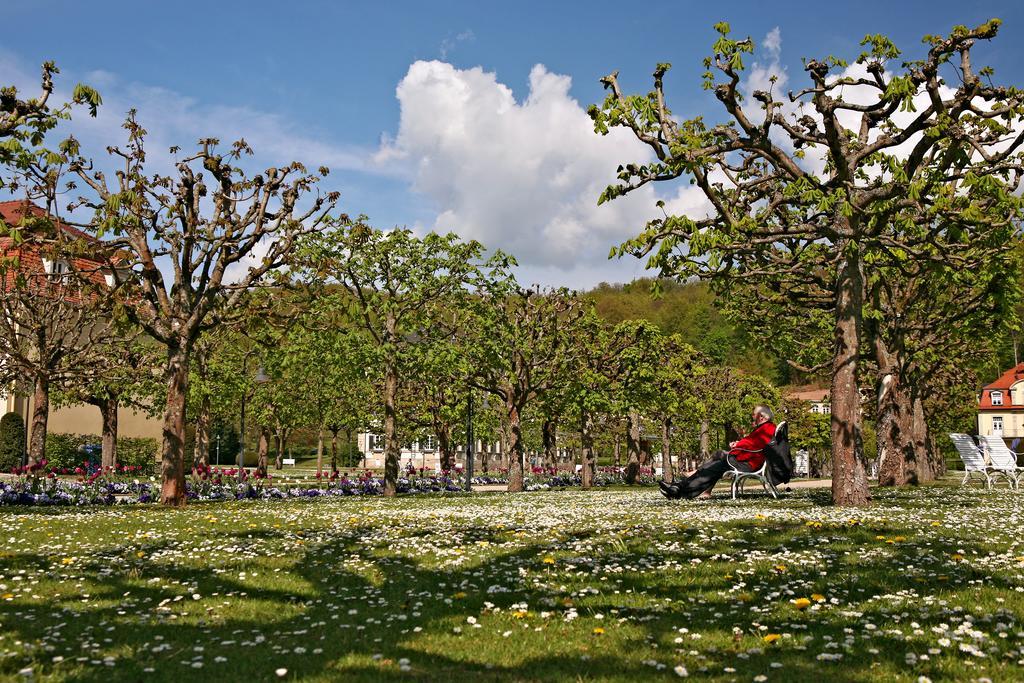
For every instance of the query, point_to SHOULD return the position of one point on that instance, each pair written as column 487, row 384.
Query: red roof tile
column 812, row 395
column 12, row 213
column 1003, row 384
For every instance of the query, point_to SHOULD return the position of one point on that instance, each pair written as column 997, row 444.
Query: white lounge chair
column 762, row 474
column 973, row 458
column 1002, row 460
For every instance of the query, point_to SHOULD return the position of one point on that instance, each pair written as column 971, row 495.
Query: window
column 428, row 443
column 57, row 269
column 376, row 442
column 814, row 408
column 997, row 398
column 997, row 426
column 826, row 409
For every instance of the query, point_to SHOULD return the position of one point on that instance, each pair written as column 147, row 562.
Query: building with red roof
column 1001, row 405
column 32, row 256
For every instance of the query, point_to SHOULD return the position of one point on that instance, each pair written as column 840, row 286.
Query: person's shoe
column 666, row 489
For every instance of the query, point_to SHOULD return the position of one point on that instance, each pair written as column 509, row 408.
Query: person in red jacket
column 746, row 454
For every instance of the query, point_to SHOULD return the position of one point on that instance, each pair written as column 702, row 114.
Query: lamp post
column 260, row 378
column 469, row 441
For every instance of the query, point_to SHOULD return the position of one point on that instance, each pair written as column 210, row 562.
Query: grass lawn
column 601, row 585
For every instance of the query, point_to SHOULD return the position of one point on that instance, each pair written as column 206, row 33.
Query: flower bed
column 39, row 485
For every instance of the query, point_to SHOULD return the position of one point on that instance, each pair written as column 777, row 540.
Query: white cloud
column 523, row 176
column 451, row 42
column 176, row 119
column 773, row 42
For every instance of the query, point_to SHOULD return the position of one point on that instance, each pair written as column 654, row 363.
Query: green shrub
column 137, row 452
column 62, row 450
column 12, row 442
column 349, row 455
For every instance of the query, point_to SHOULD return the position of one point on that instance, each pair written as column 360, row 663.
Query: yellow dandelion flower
column 549, row 560
column 598, row 631
column 520, row 614
column 459, row 595
column 801, row 603
column 780, row 568
column 771, row 638
column 818, row 597
column 7, row 596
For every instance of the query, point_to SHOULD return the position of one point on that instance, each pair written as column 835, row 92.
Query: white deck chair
column 762, row 475
column 1002, row 460
column 972, row 457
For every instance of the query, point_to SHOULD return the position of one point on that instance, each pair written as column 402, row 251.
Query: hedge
column 12, row 442
column 69, row 450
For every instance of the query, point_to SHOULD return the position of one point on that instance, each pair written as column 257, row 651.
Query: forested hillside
column 691, row 310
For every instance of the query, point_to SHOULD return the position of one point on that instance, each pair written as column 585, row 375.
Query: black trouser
column 708, row 474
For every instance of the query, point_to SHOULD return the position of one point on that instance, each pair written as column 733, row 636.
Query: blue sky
column 318, row 80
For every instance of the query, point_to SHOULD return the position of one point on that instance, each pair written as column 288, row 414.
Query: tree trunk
column 279, row 458
column 926, row 467
column 548, row 431
column 202, row 448
column 935, row 454
column 587, row 443
column 893, row 422
column 392, row 449
column 320, row 450
column 348, row 450
column 849, row 471
column 108, row 414
column 896, row 457
column 263, row 450
column 666, row 455
column 172, row 456
column 632, row 447
column 516, row 455
column 618, row 453
column 705, row 439
column 443, row 433
column 334, row 449
column 40, row 415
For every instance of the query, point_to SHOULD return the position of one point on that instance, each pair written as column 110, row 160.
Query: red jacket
column 750, row 449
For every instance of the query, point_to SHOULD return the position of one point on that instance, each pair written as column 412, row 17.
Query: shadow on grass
column 654, row 604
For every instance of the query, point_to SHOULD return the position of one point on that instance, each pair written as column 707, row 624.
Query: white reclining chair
column 1002, row 460
column 973, row 458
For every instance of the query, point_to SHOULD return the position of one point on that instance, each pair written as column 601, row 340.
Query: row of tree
column 865, row 224
column 201, row 271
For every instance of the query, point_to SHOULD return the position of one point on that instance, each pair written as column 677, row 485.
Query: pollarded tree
column 891, row 146
column 24, row 124
column 677, row 398
column 438, row 394
column 50, row 335
column 174, row 240
column 634, row 368
column 521, row 345
column 127, row 377
column 334, row 366
column 590, row 386
column 398, row 287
